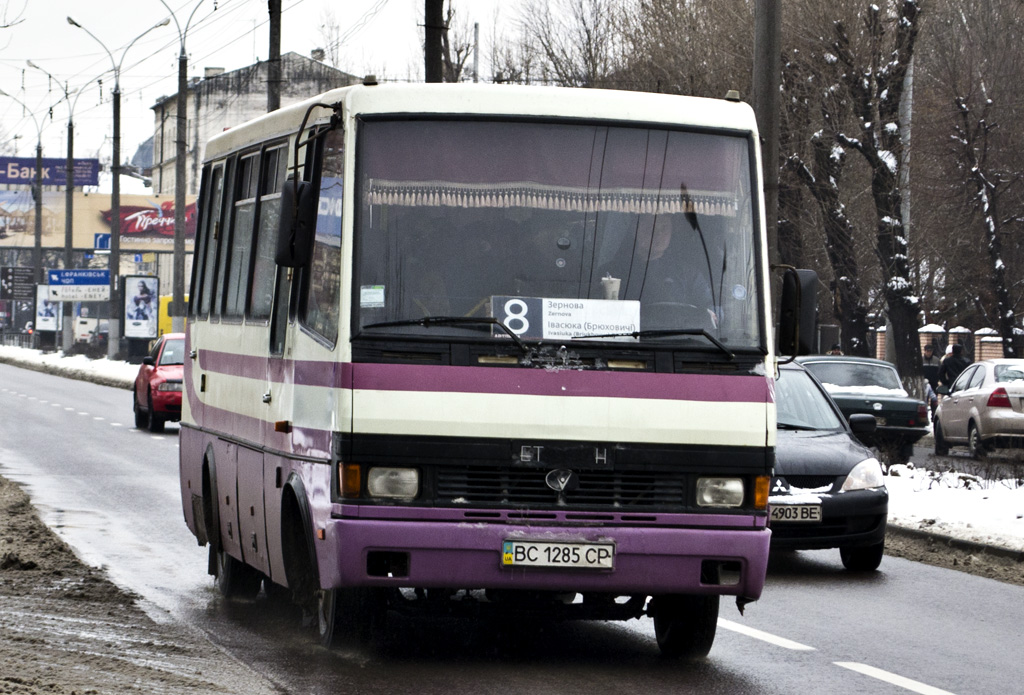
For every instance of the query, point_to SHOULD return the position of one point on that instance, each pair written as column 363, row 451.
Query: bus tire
column 685, row 625
column 354, row 614
column 234, row 578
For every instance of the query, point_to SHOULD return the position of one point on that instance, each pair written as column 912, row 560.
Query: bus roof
column 496, row 100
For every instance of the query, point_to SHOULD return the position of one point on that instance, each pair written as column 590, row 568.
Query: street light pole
column 37, row 192
column 177, row 309
column 114, row 322
column 67, row 339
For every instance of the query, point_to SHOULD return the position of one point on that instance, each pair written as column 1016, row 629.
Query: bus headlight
column 402, row 483
column 719, row 492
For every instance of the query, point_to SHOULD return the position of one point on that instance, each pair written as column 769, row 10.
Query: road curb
column 955, row 543
column 102, row 379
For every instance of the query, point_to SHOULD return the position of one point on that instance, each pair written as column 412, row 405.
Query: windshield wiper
column 655, row 333
column 428, row 321
column 793, row 426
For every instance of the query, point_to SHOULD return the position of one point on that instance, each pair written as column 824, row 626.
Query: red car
column 156, row 397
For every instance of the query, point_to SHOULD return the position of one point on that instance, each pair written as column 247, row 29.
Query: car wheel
column 974, row 444
column 941, row 445
column 685, row 625
column 233, row 577
column 141, row 416
column 862, row 559
column 156, row 423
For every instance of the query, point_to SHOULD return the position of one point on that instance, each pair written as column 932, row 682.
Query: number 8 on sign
column 515, row 316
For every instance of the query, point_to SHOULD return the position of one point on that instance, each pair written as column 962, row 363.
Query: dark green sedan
column 873, row 387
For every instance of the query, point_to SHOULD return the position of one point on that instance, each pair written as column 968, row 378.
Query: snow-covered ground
column 960, row 505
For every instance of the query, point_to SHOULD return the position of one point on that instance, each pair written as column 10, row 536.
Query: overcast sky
column 383, row 37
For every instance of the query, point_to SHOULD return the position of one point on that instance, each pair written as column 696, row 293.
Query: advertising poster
column 141, row 306
column 48, row 313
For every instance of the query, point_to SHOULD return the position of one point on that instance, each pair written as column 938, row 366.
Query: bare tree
column 577, row 40
column 456, row 46
column 874, row 64
column 974, row 68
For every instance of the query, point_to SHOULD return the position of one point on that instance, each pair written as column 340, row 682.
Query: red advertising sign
column 154, row 221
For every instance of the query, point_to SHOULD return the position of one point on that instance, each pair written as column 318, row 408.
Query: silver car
column 983, row 409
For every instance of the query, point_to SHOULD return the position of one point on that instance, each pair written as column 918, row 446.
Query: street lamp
column 114, row 335
column 37, row 191
column 177, row 309
column 68, row 332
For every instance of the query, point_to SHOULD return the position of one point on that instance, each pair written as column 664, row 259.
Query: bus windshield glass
column 561, row 231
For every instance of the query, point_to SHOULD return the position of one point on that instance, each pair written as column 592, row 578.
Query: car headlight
column 169, row 386
column 719, row 492
column 402, row 483
column 865, row 475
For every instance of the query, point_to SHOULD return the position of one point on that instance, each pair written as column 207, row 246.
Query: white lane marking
column 116, row 424
column 44, row 402
column 68, row 408
column 98, row 417
column 55, row 405
column 82, row 413
column 902, row 682
column 153, row 436
column 763, row 636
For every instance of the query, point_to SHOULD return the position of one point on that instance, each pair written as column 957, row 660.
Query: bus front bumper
column 469, row 555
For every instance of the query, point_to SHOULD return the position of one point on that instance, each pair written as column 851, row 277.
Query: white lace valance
column 546, row 197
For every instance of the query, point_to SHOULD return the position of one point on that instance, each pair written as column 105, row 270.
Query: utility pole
column 274, row 64
column 433, row 26
column 766, row 78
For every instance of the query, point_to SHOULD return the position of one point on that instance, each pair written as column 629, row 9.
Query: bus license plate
column 797, row 512
column 554, row 554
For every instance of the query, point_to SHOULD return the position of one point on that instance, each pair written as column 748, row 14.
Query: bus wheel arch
column 301, row 569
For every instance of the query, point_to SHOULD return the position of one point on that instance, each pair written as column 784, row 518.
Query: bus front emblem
column 562, row 480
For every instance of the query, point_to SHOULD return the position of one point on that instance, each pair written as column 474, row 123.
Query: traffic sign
column 84, row 285
column 17, row 284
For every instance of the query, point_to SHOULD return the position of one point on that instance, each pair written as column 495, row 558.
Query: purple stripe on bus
column 495, row 380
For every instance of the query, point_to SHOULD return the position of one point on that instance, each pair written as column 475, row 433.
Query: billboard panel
column 141, row 306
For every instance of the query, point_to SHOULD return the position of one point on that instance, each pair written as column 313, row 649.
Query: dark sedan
column 861, row 385
column 828, row 490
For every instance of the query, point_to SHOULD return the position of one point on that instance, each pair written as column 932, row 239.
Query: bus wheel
column 685, row 625
column 141, row 416
column 355, row 614
column 234, row 578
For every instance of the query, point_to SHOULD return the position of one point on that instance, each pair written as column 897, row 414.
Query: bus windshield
column 559, row 230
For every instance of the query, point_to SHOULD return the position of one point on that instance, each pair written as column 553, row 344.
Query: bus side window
column 319, row 307
column 275, row 162
column 206, row 255
column 240, row 254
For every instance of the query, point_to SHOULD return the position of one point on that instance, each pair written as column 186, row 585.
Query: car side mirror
column 297, row 224
column 148, row 360
column 863, row 424
column 942, row 390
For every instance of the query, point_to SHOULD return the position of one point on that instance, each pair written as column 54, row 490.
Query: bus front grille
column 483, row 485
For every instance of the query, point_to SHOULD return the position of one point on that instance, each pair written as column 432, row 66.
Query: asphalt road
column 111, row 491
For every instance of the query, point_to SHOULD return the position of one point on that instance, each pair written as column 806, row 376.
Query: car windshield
column 801, row 404
column 1008, row 372
column 853, row 376
column 559, row 230
column 173, row 352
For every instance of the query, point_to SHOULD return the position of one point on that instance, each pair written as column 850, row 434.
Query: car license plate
column 522, row 553
column 810, row 513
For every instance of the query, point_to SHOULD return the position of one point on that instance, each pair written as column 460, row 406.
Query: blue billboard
column 22, row 171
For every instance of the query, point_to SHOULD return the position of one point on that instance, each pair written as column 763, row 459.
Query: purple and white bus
column 487, row 348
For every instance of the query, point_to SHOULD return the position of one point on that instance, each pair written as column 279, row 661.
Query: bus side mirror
column 297, row 224
column 798, row 312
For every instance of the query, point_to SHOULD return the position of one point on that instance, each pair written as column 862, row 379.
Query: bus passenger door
column 252, row 535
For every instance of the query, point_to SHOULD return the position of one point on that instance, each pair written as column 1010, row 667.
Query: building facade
column 220, row 100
